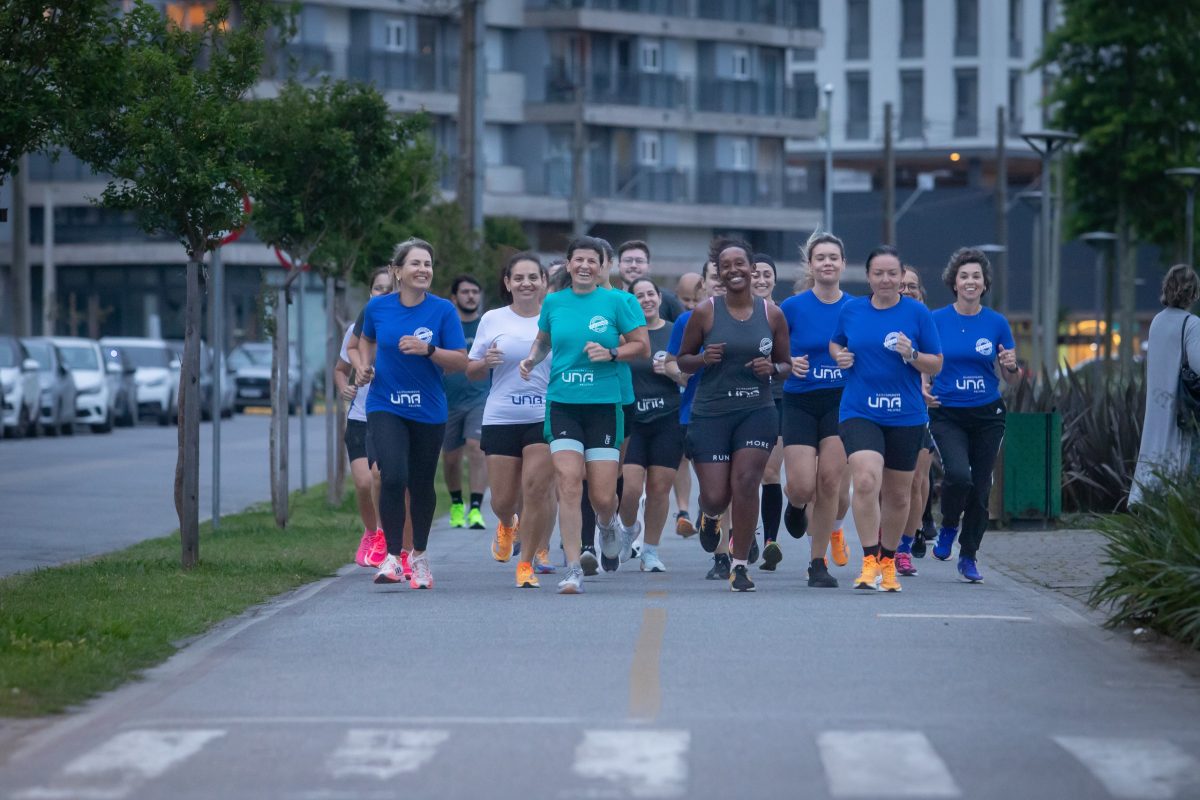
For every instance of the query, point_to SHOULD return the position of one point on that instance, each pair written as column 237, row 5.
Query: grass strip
column 69, row 633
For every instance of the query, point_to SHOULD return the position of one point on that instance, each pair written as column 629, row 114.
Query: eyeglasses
column 910, row 287
column 635, row 262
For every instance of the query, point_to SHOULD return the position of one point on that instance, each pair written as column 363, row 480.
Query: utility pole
column 471, row 91
column 828, row 223
column 1001, row 260
column 889, row 179
column 49, row 273
column 302, row 405
column 1191, row 177
column 21, row 283
column 579, row 152
column 216, row 341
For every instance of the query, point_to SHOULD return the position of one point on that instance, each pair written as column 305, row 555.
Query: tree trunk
column 339, row 304
column 279, row 411
column 1127, row 288
column 333, row 335
column 187, row 465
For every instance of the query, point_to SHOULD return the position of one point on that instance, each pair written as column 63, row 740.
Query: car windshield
column 79, row 357
column 113, row 356
column 40, row 352
column 243, row 356
column 10, row 354
column 147, row 356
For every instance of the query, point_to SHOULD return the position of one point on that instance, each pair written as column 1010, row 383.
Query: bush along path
column 71, row 632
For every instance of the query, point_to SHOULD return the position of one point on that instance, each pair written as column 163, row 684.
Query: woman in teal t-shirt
column 583, row 325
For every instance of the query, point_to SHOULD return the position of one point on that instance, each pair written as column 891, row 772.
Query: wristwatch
column 429, row 350
column 612, row 351
column 913, row 358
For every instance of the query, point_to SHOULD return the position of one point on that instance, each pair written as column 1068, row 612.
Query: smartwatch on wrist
column 913, row 358
column 612, row 352
column 429, row 350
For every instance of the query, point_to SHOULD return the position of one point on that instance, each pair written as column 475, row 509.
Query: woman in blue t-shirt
column 884, row 343
column 967, row 416
column 411, row 338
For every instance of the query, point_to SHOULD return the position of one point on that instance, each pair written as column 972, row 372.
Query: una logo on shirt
column 891, row 339
column 824, row 373
column 597, row 324
column 886, row 402
column 765, row 345
column 424, row 334
column 410, row 399
column 983, row 347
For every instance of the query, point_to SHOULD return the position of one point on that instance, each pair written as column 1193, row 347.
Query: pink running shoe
column 904, row 564
column 364, row 548
column 405, row 564
column 378, row 550
column 422, row 578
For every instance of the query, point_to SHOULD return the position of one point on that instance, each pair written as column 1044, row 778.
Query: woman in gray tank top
column 741, row 341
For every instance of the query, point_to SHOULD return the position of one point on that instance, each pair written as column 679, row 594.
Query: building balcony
column 671, row 8
column 751, row 97
column 646, row 89
column 304, row 61
column 729, row 187
column 966, row 127
column 410, row 72
column 650, row 184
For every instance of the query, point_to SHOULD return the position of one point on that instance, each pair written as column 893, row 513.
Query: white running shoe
column 610, row 546
column 390, row 571
column 628, row 537
column 650, row 560
column 422, row 578
column 573, row 583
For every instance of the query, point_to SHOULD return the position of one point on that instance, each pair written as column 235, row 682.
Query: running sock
column 871, row 550
column 588, row 531
column 905, row 544
column 681, row 515
column 885, row 553
column 456, row 497
column 739, row 562
column 772, row 510
column 837, row 523
column 476, row 499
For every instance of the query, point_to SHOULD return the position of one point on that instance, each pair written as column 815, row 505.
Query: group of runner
column 596, row 398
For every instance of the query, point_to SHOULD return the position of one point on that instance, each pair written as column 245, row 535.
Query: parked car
column 206, row 380
column 95, row 401
column 20, row 388
column 155, row 380
column 123, row 385
column 58, row 387
column 252, row 364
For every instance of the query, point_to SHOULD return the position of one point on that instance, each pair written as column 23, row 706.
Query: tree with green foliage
column 1125, row 83
column 169, row 130
column 461, row 250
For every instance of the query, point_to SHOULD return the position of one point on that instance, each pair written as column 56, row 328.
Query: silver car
column 58, row 387
column 95, row 395
column 20, row 389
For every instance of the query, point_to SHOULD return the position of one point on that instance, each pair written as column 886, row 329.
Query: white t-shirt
column 511, row 401
column 358, row 409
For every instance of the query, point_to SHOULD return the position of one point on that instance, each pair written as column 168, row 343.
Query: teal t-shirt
column 572, row 320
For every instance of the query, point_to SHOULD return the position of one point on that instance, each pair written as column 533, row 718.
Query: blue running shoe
column 944, row 543
column 968, row 570
column 906, row 543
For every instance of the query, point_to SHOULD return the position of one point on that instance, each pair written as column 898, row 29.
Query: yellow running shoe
column 841, row 556
column 502, row 545
column 870, row 573
column 525, row 577
column 887, row 569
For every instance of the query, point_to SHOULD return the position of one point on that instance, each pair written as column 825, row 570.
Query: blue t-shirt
column 811, row 323
column 880, row 386
column 689, row 391
column 970, row 347
column 410, row 386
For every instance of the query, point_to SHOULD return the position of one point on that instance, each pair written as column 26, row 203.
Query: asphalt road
column 645, row 686
column 66, row 498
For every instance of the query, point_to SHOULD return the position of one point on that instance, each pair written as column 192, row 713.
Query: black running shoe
column 918, row 545
column 720, row 568
column 795, row 519
column 753, row 557
column 710, row 532
column 588, row 561
column 740, row 582
column 609, row 564
column 771, row 555
column 819, row 577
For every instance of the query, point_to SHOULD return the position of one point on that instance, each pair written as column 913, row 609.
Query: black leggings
column 407, row 452
column 968, row 439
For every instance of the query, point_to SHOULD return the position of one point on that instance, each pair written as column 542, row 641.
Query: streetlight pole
column 1046, row 144
column 828, row 157
column 1099, row 241
column 1191, row 176
column 1033, row 199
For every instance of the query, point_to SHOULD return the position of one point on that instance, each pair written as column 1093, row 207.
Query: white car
column 20, row 389
column 154, row 375
column 95, row 398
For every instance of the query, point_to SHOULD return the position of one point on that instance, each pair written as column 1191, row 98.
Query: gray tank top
column 731, row 386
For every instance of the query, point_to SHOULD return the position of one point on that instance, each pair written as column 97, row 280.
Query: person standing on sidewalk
column 519, row 470
column 883, row 343
column 967, row 413
column 582, row 327
column 740, row 341
column 411, row 338
column 465, row 398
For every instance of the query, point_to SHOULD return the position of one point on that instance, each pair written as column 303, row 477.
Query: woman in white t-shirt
column 372, row 549
column 520, row 473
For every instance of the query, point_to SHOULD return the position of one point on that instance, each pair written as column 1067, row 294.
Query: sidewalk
column 1068, row 562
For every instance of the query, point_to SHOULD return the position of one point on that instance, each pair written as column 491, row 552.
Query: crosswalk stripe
column 644, row 763
column 123, row 763
column 1137, row 769
column 867, row 763
column 384, row 754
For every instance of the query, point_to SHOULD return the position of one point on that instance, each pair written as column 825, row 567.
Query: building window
column 858, row 105
column 651, row 56
column 649, row 148
column 740, row 65
column 966, row 102
column 966, row 27
column 807, row 14
column 912, row 29
column 740, row 154
column 395, row 36
column 1016, row 102
column 858, row 28
column 912, row 104
column 804, row 54
column 1015, row 29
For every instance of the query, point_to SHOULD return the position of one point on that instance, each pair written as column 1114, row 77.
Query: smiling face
column 633, row 264
column 762, row 279
column 416, row 271
column 910, row 285
column 648, row 298
column 584, row 267
column 525, row 282
column 826, row 263
column 733, row 267
column 884, row 276
column 969, row 283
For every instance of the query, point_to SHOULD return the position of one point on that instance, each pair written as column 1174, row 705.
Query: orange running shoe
column 684, row 526
column 887, row 571
column 870, row 574
column 841, row 556
column 502, row 545
column 525, row 577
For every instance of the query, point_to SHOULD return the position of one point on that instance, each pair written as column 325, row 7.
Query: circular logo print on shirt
column 598, row 324
column 661, row 355
column 983, row 347
column 765, row 345
column 424, row 334
column 890, row 340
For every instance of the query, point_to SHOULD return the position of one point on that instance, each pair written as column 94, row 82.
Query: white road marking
column 646, row 763
column 999, row 617
column 371, row 720
column 868, row 763
column 1150, row 769
column 122, row 764
column 384, row 754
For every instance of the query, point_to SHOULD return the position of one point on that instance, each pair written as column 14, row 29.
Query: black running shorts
column 899, row 444
column 511, row 439
column 656, row 444
column 809, row 417
column 716, row 439
column 594, row 430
